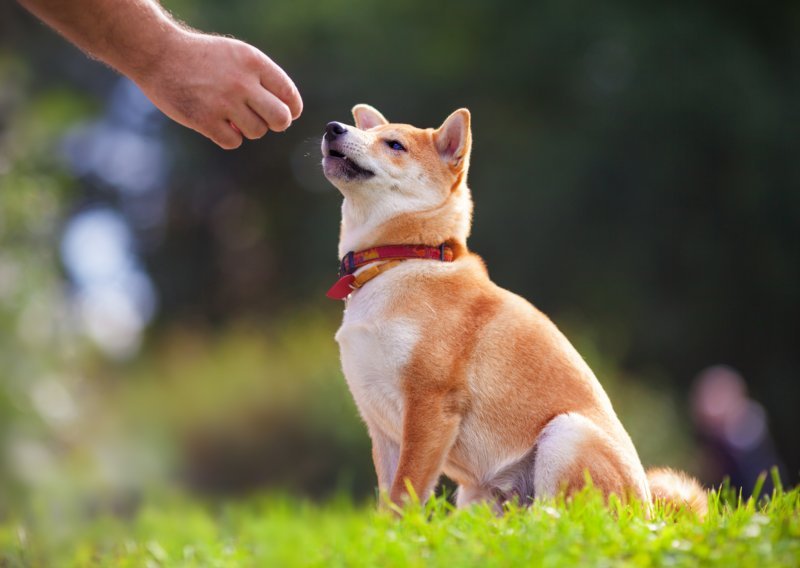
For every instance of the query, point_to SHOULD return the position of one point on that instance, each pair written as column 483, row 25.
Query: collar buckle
column 347, row 266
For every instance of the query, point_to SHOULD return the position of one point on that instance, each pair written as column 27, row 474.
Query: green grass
column 283, row 531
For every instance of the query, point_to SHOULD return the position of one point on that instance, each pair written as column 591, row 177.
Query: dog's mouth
column 338, row 165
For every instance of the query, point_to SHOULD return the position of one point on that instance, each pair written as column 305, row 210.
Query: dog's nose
column 334, row 130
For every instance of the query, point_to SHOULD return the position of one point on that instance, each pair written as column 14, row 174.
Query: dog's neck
column 369, row 225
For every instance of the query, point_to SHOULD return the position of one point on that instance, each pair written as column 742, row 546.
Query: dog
column 451, row 373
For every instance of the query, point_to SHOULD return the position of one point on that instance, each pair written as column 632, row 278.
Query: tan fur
column 677, row 490
column 452, row 373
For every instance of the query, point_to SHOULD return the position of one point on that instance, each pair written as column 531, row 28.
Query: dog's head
column 394, row 174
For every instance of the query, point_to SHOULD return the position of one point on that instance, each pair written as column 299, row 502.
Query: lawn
column 284, row 531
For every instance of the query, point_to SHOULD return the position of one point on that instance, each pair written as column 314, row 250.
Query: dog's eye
column 395, row 145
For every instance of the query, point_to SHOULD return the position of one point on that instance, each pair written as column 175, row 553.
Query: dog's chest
column 375, row 350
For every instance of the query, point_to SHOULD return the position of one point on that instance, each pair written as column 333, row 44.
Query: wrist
column 154, row 49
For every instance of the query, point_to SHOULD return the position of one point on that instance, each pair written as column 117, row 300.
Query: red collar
column 354, row 260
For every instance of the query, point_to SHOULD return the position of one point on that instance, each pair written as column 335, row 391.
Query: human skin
column 221, row 87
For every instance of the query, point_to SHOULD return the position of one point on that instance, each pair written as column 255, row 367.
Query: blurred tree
column 37, row 345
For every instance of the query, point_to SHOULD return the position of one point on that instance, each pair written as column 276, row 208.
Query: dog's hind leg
column 570, row 446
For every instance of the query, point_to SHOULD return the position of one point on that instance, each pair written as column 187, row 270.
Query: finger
column 276, row 81
column 224, row 136
column 271, row 109
column 248, row 122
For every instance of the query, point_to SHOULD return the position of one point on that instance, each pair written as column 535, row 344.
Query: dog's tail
column 678, row 490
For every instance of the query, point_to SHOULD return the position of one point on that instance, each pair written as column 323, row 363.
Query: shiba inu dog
column 451, row 373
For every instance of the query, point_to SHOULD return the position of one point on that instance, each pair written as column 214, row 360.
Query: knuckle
column 238, row 84
column 281, row 119
column 289, row 93
column 229, row 142
column 298, row 107
column 256, row 132
column 223, row 107
column 281, row 124
column 283, row 90
column 251, row 57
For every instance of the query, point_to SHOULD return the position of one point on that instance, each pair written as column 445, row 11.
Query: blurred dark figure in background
column 732, row 428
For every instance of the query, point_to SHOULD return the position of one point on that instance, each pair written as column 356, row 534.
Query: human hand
column 221, row 87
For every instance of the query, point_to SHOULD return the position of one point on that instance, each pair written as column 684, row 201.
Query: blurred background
column 636, row 175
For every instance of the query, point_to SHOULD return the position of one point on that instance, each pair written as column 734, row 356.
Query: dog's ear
column 453, row 138
column 367, row 117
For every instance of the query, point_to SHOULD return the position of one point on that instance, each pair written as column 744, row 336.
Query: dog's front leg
column 385, row 455
column 430, row 427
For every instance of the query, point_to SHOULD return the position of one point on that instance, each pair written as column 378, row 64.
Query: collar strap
column 394, row 254
column 354, row 260
column 369, row 273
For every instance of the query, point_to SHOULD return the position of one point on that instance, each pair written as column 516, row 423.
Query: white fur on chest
column 374, row 350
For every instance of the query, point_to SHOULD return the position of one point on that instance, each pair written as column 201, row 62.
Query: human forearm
column 218, row 86
column 129, row 35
